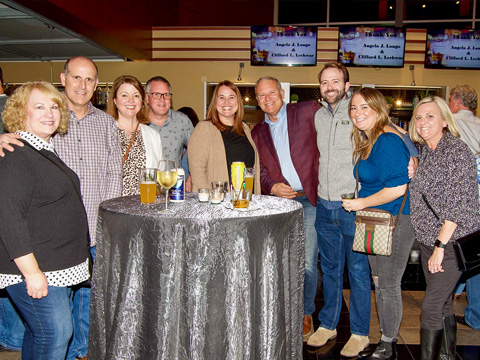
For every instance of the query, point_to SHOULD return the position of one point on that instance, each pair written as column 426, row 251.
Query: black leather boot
column 382, row 351
column 430, row 343
column 449, row 338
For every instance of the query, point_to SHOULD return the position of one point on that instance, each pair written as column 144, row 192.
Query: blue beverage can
column 177, row 192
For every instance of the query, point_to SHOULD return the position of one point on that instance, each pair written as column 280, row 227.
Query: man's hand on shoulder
column 283, row 190
column 6, row 142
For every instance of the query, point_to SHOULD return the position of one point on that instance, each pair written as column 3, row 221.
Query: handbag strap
column 404, row 195
column 130, row 145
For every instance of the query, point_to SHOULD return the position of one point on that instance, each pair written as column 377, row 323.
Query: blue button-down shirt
column 279, row 131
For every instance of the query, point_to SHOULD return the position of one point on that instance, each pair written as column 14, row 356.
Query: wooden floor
column 468, row 340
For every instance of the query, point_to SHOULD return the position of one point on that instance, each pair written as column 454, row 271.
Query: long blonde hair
column 362, row 144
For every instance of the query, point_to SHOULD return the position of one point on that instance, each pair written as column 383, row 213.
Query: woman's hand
column 435, row 261
column 37, row 286
column 353, row 204
column 35, row 279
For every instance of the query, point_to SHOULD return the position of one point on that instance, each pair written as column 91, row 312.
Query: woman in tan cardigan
column 221, row 139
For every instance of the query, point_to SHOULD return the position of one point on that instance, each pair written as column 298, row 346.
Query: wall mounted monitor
column 452, row 49
column 283, row 45
column 371, row 46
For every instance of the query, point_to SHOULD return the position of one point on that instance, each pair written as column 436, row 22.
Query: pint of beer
column 148, row 185
column 249, row 176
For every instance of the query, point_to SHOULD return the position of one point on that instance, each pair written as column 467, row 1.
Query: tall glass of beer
column 148, row 185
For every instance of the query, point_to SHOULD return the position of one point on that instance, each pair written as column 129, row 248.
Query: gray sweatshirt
column 335, row 170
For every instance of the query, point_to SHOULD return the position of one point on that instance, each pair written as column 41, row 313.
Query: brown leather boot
column 307, row 327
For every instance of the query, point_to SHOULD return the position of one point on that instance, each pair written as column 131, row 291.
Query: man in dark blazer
column 286, row 143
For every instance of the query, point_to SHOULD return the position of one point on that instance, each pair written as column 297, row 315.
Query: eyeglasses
column 157, row 96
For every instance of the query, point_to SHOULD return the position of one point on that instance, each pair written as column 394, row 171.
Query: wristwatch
column 439, row 244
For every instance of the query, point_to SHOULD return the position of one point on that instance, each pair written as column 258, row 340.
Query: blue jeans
column 80, row 299
column 472, row 311
column 11, row 324
column 48, row 322
column 336, row 228
column 311, row 256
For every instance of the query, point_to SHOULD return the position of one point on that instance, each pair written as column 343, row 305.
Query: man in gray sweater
column 335, row 226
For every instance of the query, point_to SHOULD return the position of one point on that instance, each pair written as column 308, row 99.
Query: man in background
column 173, row 126
column 285, row 141
column 463, row 102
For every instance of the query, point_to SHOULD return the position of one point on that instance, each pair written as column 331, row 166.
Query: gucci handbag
column 374, row 229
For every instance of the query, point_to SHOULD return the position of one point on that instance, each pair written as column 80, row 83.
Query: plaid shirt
column 92, row 149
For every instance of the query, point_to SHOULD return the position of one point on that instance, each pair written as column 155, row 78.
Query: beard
column 333, row 101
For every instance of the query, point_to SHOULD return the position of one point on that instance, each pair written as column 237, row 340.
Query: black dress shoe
column 382, row 351
column 461, row 320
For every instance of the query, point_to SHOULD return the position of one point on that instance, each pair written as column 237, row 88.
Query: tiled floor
column 468, row 340
column 409, row 339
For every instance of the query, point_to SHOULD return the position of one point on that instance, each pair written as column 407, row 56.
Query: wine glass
column 167, row 176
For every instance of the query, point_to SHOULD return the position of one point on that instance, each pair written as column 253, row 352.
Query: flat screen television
column 371, row 46
column 283, row 45
column 452, row 49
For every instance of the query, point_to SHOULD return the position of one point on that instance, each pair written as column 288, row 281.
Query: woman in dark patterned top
column 43, row 224
column 444, row 206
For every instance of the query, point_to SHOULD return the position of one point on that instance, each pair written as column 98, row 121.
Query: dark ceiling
column 112, row 28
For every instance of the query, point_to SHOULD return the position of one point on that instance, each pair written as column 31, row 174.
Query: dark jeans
column 389, row 270
column 437, row 302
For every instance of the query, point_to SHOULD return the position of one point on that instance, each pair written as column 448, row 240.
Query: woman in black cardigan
column 43, row 225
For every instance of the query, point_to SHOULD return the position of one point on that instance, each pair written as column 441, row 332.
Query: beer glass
column 148, row 185
column 249, row 177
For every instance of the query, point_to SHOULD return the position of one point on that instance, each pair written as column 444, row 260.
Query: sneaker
column 307, row 327
column 354, row 345
column 321, row 336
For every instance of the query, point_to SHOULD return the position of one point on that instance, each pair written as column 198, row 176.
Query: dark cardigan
column 40, row 212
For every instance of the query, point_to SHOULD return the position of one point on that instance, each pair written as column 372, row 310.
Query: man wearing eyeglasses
column 174, row 127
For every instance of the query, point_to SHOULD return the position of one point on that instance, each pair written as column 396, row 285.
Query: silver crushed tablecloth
column 199, row 281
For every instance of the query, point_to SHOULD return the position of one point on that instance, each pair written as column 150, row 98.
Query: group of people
column 299, row 151
column 64, row 157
